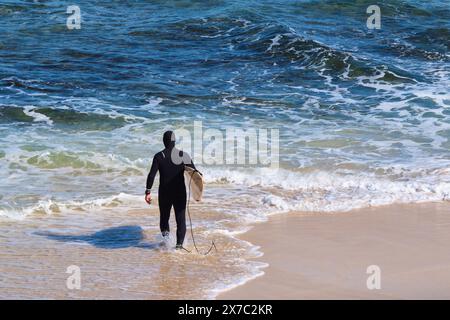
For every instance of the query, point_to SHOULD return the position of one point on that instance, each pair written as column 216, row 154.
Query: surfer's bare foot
column 166, row 235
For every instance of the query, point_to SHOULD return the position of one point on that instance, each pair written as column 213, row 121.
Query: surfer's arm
column 152, row 174
column 190, row 163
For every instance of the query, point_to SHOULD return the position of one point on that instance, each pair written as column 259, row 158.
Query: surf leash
column 213, row 245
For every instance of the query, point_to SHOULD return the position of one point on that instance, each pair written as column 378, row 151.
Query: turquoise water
column 363, row 114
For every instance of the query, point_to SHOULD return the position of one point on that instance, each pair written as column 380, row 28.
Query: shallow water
column 363, row 115
column 119, row 257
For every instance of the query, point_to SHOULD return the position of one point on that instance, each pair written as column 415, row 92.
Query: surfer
column 170, row 163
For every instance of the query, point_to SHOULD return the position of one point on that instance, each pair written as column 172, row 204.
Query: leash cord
column 213, row 245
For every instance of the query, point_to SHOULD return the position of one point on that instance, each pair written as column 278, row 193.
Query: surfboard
column 196, row 182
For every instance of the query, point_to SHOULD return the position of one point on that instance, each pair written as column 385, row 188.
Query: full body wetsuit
column 172, row 190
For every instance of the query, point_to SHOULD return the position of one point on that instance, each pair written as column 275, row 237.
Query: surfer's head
column 169, row 139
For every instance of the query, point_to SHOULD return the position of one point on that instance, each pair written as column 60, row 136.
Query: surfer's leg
column 179, row 206
column 164, row 213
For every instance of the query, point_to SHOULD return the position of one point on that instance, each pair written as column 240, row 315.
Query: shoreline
column 326, row 255
column 296, row 255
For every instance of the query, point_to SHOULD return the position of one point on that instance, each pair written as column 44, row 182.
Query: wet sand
column 310, row 256
column 326, row 256
column 119, row 256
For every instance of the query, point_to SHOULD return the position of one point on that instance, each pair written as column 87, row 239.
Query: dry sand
column 325, row 256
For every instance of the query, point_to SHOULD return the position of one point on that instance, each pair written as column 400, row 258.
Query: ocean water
column 363, row 115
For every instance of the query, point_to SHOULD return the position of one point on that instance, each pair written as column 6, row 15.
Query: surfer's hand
column 148, row 198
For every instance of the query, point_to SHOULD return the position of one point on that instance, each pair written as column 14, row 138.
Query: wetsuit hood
column 169, row 139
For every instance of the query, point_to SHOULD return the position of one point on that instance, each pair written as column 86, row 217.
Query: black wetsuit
column 172, row 190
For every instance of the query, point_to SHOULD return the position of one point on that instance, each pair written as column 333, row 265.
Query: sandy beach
column 307, row 256
column 325, row 256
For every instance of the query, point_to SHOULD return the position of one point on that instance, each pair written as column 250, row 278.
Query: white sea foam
column 49, row 206
column 275, row 190
column 327, row 191
column 37, row 117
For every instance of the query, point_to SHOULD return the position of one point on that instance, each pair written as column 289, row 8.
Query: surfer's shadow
column 110, row 238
